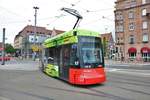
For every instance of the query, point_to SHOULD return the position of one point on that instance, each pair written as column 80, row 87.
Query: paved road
column 122, row 84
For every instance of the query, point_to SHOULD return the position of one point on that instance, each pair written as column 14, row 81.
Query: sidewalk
column 17, row 64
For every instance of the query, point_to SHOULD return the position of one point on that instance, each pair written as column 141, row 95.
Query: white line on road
column 112, row 69
column 145, row 73
column 3, row 98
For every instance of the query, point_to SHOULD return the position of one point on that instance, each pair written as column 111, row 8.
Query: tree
column 9, row 48
column 105, row 43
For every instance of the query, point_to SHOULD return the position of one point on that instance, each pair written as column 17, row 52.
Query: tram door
column 64, row 62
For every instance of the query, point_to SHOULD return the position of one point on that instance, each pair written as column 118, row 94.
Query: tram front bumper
column 88, row 79
column 87, row 76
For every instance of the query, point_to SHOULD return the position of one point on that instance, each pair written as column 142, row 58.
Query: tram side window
column 66, row 55
column 45, row 55
column 51, row 56
column 55, row 57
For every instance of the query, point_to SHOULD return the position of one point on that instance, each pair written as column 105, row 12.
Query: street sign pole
column 3, row 46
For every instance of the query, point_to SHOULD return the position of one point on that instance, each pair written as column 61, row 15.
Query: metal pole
column 76, row 23
column 35, row 21
column 3, row 46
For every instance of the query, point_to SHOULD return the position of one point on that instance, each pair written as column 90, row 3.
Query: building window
column 133, row 3
column 131, row 14
column 143, row 1
column 144, row 25
column 119, row 28
column 116, row 49
column 120, row 49
column 145, row 38
column 144, row 12
column 118, row 40
column 131, row 26
column 131, row 39
column 119, row 16
column 133, row 0
column 132, row 56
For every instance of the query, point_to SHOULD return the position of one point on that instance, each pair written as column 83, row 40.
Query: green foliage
column 9, row 48
column 104, row 46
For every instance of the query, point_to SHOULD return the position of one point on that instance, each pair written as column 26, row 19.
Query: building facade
column 1, row 49
column 26, row 42
column 132, row 26
column 0, row 45
column 18, row 42
column 108, row 45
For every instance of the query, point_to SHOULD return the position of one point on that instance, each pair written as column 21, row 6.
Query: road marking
column 3, row 98
column 112, row 69
column 134, row 73
column 130, row 71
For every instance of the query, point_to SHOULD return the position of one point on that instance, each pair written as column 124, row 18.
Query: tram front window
column 91, row 52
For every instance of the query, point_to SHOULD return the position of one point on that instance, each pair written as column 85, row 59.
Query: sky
column 98, row 15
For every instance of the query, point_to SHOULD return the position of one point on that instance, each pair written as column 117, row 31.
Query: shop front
column 145, row 53
column 132, row 53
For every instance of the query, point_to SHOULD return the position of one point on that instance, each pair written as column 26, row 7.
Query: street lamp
column 35, row 21
column 3, row 46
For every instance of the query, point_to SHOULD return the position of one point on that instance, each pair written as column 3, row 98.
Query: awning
column 132, row 50
column 1, row 49
column 145, row 50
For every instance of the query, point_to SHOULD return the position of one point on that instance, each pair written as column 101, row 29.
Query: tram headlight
column 81, row 78
column 76, row 62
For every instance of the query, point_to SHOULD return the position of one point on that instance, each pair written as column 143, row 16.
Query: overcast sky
column 16, row 14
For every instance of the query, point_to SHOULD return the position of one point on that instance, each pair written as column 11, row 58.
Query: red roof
column 145, row 50
column 132, row 50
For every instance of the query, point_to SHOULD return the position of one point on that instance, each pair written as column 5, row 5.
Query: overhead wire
column 62, row 15
column 106, row 2
column 72, row 4
column 88, row 11
column 15, row 14
column 98, row 10
column 11, row 12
